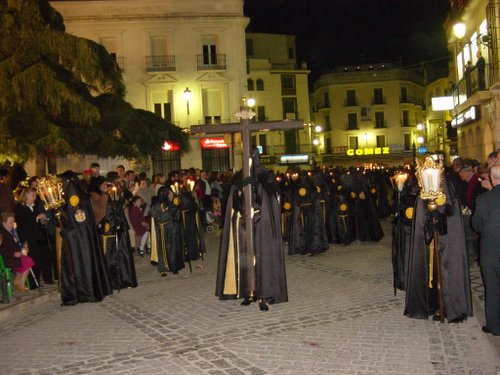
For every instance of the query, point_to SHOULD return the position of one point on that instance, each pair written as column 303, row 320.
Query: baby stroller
column 212, row 218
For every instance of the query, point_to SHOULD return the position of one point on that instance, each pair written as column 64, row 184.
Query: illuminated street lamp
column 251, row 102
column 459, row 30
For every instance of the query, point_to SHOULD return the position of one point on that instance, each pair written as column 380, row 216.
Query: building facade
column 279, row 86
column 368, row 113
column 182, row 59
column 473, row 37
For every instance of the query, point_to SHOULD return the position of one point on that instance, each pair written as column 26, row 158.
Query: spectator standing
column 492, row 159
column 474, row 188
column 485, row 221
column 139, row 223
column 30, row 219
column 481, row 71
column 7, row 201
column 146, row 193
column 95, row 170
column 204, row 191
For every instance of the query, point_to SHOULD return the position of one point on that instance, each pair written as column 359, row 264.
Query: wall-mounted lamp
column 187, row 96
column 366, row 136
column 251, row 102
column 459, row 30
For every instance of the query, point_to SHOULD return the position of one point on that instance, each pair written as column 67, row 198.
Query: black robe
column 166, row 241
column 308, row 234
column 116, row 246
column 232, row 274
column 402, row 234
column 422, row 301
column 232, row 271
column 84, row 276
column 194, row 243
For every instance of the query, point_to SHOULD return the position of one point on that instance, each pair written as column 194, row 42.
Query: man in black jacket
column 485, row 221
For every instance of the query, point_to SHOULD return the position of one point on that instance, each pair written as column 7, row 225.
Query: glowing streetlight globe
column 250, row 102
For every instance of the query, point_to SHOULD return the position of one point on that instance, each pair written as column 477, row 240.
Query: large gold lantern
column 430, row 179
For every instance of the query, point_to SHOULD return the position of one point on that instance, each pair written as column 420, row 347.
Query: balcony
column 472, row 89
column 351, row 103
column 378, row 100
column 380, row 124
column 211, row 62
column 408, row 123
column 160, row 63
column 410, row 100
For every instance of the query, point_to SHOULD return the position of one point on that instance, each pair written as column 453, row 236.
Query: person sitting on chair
column 15, row 255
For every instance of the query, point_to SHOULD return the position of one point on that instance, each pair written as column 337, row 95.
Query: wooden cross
column 245, row 127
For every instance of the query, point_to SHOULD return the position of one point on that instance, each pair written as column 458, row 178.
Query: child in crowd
column 139, row 223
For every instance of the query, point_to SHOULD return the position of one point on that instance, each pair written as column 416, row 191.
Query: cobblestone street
column 342, row 318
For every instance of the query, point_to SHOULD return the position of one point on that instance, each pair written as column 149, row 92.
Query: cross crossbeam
column 245, row 127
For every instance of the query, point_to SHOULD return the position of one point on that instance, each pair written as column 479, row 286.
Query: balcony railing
column 470, row 84
column 408, row 123
column 378, row 100
column 380, row 124
column 410, row 100
column 211, row 62
column 160, row 63
column 351, row 103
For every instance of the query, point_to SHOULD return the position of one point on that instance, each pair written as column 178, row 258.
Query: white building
column 476, row 114
column 166, row 49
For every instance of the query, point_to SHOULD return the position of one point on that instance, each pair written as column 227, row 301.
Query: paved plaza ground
column 342, row 318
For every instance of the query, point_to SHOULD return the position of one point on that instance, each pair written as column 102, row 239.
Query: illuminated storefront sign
column 294, row 159
column 213, row 143
column 469, row 115
column 367, row 151
column 171, row 146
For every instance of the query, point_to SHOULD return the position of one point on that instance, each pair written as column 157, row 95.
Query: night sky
column 343, row 32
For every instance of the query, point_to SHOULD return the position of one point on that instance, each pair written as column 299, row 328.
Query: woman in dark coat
column 30, row 218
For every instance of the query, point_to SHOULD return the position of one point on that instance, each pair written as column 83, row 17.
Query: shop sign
column 294, row 159
column 217, row 142
column 367, row 151
column 171, row 146
column 469, row 115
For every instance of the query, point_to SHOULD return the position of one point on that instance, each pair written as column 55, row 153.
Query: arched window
column 260, row 84
column 250, row 85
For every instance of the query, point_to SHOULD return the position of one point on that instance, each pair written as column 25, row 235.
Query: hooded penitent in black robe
column 84, row 274
column 308, row 233
column 232, row 273
column 166, row 232
column 367, row 223
column 193, row 238
column 402, row 231
column 116, row 246
column 422, row 301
